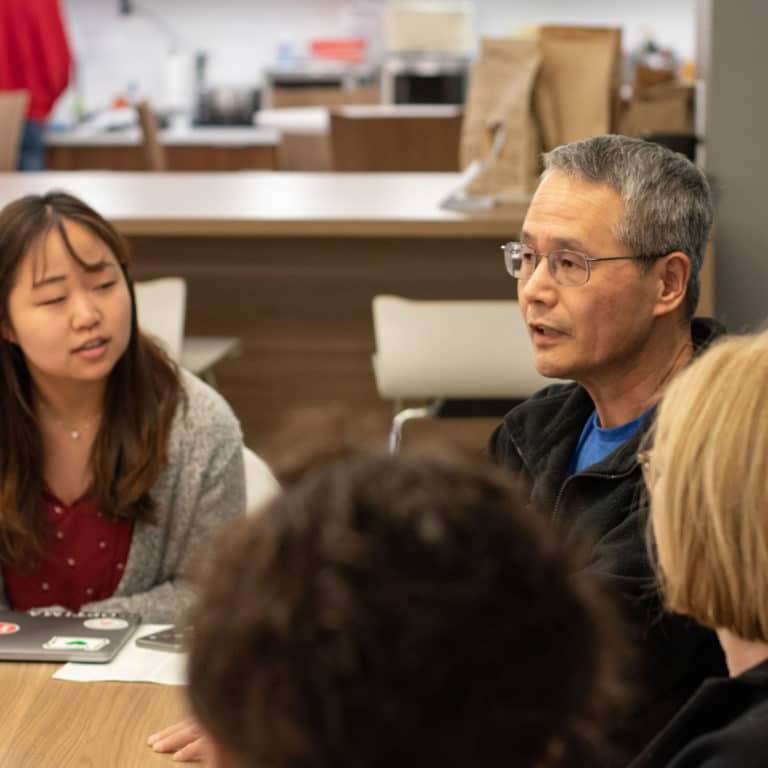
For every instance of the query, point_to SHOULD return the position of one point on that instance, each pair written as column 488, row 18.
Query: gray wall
column 734, row 58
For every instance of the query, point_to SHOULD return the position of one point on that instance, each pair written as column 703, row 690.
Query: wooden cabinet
column 186, row 148
column 188, row 157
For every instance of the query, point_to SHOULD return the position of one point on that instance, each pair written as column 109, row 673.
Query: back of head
column 399, row 611
column 710, row 488
column 667, row 199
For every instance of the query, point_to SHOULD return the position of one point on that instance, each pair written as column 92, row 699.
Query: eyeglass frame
column 588, row 260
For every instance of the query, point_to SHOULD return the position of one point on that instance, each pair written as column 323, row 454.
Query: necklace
column 76, row 432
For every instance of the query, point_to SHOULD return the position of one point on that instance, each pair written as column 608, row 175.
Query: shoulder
column 551, row 403
column 202, row 407
column 743, row 743
column 726, row 723
column 536, row 413
column 203, row 417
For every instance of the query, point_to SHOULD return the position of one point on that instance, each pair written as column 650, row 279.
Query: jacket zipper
column 601, row 475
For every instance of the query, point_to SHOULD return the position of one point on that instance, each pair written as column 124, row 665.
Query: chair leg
column 398, row 423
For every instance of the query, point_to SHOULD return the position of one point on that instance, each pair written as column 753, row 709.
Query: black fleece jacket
column 724, row 725
column 606, row 505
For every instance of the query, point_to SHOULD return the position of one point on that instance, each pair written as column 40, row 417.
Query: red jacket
column 34, row 52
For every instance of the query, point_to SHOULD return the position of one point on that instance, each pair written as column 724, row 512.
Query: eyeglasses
column 568, row 268
column 645, row 460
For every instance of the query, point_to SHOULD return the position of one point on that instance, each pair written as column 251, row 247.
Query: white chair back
column 260, row 484
column 161, row 307
column 452, row 349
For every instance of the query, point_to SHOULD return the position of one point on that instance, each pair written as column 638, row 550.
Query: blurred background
column 170, row 51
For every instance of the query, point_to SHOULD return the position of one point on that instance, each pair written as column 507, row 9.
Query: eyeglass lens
column 566, row 267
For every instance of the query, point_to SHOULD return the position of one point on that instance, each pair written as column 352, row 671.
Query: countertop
column 102, row 132
column 315, row 120
column 283, row 204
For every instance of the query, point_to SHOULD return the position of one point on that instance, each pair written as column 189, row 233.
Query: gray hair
column 667, row 199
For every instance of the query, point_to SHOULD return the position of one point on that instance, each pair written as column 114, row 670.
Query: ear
column 672, row 273
column 7, row 333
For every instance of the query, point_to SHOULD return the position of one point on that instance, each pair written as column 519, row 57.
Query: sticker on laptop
column 8, row 628
column 76, row 643
column 107, row 624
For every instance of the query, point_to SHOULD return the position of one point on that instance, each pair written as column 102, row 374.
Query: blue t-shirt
column 595, row 443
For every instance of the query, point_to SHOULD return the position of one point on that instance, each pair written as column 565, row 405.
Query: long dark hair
column 142, row 393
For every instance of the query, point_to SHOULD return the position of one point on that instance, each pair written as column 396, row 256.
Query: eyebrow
column 48, row 281
column 565, row 243
column 98, row 266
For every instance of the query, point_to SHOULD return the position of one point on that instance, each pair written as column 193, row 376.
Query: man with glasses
column 607, row 270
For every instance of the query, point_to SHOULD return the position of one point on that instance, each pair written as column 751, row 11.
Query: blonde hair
column 710, row 490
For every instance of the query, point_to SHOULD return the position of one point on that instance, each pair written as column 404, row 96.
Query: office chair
column 161, row 311
column 443, row 350
column 260, row 484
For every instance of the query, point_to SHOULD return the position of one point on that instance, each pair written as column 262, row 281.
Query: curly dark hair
column 401, row 611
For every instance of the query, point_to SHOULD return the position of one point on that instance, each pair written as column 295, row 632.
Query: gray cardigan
column 202, row 486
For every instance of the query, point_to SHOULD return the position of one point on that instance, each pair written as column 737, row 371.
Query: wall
column 242, row 36
column 735, row 115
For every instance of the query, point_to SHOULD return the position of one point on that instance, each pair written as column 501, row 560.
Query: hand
column 185, row 739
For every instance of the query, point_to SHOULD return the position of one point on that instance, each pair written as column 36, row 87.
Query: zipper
column 600, row 475
column 520, row 455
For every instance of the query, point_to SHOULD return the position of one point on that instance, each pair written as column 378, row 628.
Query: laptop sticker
column 76, row 643
column 107, row 624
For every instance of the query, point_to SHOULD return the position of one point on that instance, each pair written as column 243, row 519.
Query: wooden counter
column 275, row 204
column 48, row 722
column 187, row 148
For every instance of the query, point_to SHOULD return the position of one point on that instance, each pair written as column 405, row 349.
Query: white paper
column 132, row 664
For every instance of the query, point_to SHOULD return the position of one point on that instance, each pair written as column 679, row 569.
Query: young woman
column 114, row 465
column 707, row 474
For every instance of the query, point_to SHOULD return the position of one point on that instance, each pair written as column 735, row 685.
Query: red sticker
column 6, row 628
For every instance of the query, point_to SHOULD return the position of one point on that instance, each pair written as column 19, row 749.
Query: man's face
column 592, row 332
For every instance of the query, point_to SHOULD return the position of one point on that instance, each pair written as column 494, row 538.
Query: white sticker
column 76, row 643
column 106, row 623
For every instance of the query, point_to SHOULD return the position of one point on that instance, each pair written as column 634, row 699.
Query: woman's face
column 71, row 324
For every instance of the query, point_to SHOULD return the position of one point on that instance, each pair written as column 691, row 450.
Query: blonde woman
column 707, row 474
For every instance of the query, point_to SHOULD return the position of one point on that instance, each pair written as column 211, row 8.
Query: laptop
column 40, row 635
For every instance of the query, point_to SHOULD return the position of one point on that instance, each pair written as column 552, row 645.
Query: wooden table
column 46, row 723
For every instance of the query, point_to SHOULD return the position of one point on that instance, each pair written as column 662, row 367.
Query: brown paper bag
column 499, row 130
column 647, row 77
column 577, row 92
column 662, row 108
